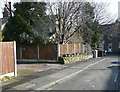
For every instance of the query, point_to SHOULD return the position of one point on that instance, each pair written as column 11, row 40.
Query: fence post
column 1, row 65
column 67, row 48
column 79, row 48
column 1, row 58
column 74, row 48
column 15, row 62
column 20, row 52
column 38, row 51
column 58, row 50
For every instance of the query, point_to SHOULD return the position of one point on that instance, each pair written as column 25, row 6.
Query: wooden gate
column 8, row 58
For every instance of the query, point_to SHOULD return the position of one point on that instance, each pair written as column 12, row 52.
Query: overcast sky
column 112, row 7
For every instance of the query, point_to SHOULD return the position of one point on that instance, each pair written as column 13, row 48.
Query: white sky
column 112, row 7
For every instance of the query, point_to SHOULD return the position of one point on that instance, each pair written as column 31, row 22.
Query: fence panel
column 71, row 48
column 48, row 52
column 38, row 52
column 74, row 49
column 29, row 52
column 63, row 49
column 7, row 57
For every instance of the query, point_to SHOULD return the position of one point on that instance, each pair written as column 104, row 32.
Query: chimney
column 5, row 12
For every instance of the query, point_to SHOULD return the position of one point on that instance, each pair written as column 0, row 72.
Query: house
column 4, row 20
column 110, row 37
column 54, row 32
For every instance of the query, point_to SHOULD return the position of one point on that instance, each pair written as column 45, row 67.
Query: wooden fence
column 37, row 52
column 71, row 49
column 48, row 52
column 8, row 58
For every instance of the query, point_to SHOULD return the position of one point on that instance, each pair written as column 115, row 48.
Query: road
column 103, row 75
column 93, row 74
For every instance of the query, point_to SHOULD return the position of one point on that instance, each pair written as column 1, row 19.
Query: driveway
column 29, row 68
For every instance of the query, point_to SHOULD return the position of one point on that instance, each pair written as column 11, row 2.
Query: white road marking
column 116, row 78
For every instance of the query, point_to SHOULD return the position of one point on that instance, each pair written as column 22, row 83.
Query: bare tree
column 69, row 18
column 101, row 14
column 77, row 17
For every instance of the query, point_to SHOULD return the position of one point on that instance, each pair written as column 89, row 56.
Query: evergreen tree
column 22, row 26
column 92, row 24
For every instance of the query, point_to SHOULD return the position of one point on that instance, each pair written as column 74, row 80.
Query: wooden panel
column 44, row 52
column 7, row 57
column 29, row 51
column 76, row 48
column 48, row 52
column 71, row 48
column 61, row 49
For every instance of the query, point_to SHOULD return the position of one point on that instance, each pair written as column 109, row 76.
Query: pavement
column 45, row 79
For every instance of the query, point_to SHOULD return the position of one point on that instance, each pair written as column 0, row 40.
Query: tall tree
column 22, row 26
column 68, row 18
column 78, row 17
column 73, row 17
column 92, row 23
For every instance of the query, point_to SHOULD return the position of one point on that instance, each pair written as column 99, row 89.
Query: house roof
column 3, row 20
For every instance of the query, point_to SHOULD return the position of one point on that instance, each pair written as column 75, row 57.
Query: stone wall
column 70, row 59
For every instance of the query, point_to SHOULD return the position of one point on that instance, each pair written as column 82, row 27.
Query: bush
column 61, row 60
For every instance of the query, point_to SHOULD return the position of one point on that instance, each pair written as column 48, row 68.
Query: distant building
column 4, row 20
column 110, row 37
column 53, row 30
